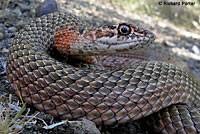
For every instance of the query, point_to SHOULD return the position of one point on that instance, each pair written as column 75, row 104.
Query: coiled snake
column 101, row 95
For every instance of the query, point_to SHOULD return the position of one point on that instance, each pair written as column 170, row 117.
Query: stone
column 1, row 36
column 12, row 29
column 84, row 127
column 48, row 6
column 195, row 49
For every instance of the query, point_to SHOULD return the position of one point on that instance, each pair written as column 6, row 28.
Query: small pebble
column 1, row 25
column 4, row 50
column 12, row 29
column 4, row 65
column 168, row 43
column 2, row 30
column 195, row 49
column 48, row 6
column 23, row 7
column 1, row 36
column 20, row 24
column 17, row 11
column 8, row 35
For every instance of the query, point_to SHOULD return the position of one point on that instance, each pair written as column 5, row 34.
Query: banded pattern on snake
column 104, row 96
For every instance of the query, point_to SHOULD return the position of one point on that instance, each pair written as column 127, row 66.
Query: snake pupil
column 124, row 30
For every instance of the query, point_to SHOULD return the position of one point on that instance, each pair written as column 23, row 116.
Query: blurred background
column 186, row 15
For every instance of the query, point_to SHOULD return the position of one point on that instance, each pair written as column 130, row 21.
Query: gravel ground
column 181, row 42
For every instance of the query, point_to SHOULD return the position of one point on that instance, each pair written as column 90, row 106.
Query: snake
column 162, row 94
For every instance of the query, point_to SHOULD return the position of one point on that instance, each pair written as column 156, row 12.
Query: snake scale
column 106, row 97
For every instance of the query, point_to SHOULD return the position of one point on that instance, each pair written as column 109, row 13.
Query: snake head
column 107, row 39
column 122, row 33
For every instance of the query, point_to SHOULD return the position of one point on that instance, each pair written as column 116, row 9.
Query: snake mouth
column 133, row 41
column 127, row 46
column 124, row 43
column 102, row 48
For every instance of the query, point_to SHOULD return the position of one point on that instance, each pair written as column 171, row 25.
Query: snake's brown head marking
column 107, row 39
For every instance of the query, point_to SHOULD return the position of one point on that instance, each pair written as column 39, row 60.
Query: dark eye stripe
column 112, row 27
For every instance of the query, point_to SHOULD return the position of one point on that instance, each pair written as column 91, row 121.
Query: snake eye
column 124, row 29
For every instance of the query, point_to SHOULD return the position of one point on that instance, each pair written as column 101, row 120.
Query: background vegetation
column 187, row 16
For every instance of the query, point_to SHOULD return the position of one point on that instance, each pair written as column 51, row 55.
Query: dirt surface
column 181, row 42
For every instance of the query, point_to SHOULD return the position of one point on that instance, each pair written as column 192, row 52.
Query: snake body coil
column 105, row 97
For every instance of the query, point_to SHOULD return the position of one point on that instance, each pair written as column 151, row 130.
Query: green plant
column 13, row 125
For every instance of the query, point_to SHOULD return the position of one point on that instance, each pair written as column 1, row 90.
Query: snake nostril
column 149, row 34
